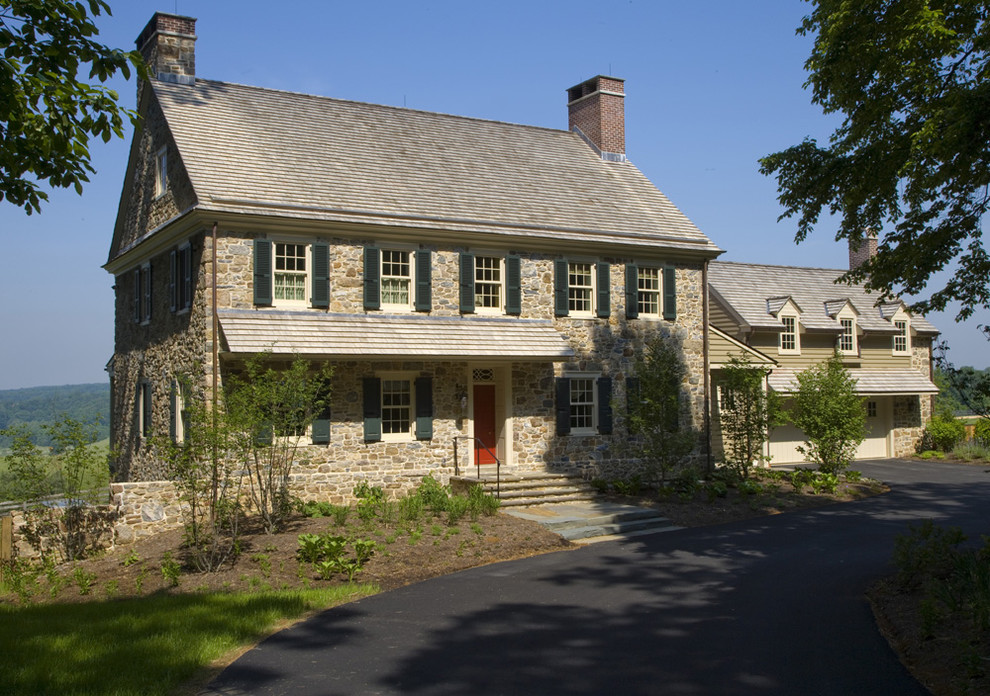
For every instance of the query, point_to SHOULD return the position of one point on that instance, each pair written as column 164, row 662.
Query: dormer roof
column 755, row 293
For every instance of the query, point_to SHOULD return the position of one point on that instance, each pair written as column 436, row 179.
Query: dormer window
column 789, row 341
column 847, row 335
column 902, row 339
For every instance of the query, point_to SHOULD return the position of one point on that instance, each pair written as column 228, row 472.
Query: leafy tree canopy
column 49, row 106
column 911, row 159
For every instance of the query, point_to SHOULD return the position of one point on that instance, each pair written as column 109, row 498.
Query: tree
column 270, row 406
column 48, row 112
column 911, row 158
column 831, row 414
column 961, row 388
column 655, row 408
column 747, row 413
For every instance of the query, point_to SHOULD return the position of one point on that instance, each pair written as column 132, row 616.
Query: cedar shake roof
column 392, row 336
column 269, row 152
column 751, row 291
column 784, row 381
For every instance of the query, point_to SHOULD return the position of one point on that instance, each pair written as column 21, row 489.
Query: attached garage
column 878, row 387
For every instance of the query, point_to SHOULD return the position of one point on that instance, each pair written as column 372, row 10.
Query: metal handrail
column 498, row 462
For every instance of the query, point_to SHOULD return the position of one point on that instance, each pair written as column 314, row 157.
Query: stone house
column 789, row 318
column 466, row 279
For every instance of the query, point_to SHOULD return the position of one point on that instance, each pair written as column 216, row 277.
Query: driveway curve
column 773, row 605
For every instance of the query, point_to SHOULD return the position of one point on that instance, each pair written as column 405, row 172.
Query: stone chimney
column 596, row 110
column 862, row 250
column 168, row 45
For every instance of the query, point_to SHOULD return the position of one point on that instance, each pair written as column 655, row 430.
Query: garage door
column 785, row 440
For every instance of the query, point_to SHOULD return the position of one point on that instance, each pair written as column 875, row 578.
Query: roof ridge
column 774, row 265
column 388, row 107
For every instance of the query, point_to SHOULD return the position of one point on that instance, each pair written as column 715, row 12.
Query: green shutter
column 563, row 385
column 185, row 268
column 632, row 291
column 424, row 408
column 262, row 272
column 669, row 293
column 560, row 287
column 424, row 281
column 372, row 278
column 467, row 283
column 173, row 280
column 137, row 295
column 513, row 285
column 321, row 276
column 321, row 424
column 605, row 405
column 603, row 290
column 146, row 409
column 372, row 393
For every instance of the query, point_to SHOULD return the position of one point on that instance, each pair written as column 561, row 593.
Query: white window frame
column 410, row 277
column 846, row 342
column 576, row 380
column 409, row 379
column 903, row 327
column 180, row 412
column 286, row 272
column 794, row 333
column 161, row 172
column 499, row 284
column 642, row 292
column 590, row 288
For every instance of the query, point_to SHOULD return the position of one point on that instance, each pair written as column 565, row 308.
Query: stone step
column 587, row 523
column 545, row 499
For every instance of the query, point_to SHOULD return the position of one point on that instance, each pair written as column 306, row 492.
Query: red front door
column 484, row 424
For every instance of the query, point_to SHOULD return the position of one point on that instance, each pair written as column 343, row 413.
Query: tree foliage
column 831, row 414
column 961, row 388
column 51, row 97
column 270, row 406
column 911, row 159
column 656, row 406
column 37, row 407
column 747, row 413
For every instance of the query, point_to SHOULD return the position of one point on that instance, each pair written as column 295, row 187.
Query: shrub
column 981, row 432
column 942, row 433
column 925, row 549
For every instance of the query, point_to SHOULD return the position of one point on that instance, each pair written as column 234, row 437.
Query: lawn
column 151, row 645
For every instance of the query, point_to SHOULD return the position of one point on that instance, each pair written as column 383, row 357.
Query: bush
column 981, row 432
column 942, row 434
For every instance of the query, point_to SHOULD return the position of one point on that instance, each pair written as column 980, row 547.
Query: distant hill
column 38, row 406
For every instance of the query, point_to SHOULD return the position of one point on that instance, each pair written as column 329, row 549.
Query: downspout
column 709, row 464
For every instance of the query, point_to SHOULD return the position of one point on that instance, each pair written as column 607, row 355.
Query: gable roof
column 750, row 290
column 268, row 152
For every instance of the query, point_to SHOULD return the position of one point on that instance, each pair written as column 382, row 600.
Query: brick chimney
column 168, row 45
column 596, row 110
column 862, row 250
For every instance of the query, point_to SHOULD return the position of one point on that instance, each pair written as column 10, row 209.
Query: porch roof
column 784, row 381
column 338, row 336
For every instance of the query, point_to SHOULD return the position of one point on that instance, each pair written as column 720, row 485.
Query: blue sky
column 711, row 87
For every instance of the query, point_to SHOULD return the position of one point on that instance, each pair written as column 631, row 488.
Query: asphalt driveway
column 767, row 606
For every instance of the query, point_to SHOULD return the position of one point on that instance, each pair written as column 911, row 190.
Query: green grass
column 141, row 646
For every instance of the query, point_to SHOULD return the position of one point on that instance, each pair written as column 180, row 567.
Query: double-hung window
column 648, row 291
column 581, row 289
column 144, row 408
column 901, row 341
column 788, row 341
column 180, row 283
column 290, row 273
column 396, row 278
column 488, row 279
column 584, row 405
column 398, row 407
column 847, row 335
